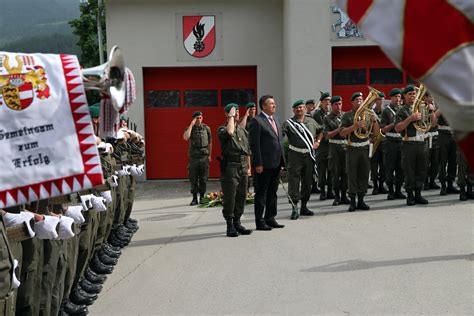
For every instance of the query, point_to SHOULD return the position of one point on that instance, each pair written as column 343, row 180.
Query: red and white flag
column 199, row 35
column 433, row 41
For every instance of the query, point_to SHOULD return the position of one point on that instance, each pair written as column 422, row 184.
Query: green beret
column 324, row 95
column 230, row 106
column 197, row 113
column 298, row 103
column 335, row 99
column 395, row 91
column 124, row 118
column 408, row 89
column 381, row 94
column 94, row 110
column 250, row 105
column 310, row 101
column 356, row 95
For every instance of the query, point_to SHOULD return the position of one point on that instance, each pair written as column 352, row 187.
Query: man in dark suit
column 265, row 143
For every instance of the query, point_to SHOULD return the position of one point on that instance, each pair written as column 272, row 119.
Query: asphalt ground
column 392, row 259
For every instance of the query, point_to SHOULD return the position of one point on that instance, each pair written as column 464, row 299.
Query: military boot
column 80, row 297
column 323, row 196
column 194, row 200
column 433, row 184
column 295, row 211
column 352, row 206
column 418, row 198
column 375, row 190
column 382, row 189
column 231, row 232
column 391, row 193
column 470, row 194
column 451, row 189
column 462, row 194
column 72, row 309
column 241, row 229
column 330, row 194
column 89, row 287
column 344, row 199
column 361, row 204
column 304, row 211
column 398, row 193
column 410, row 198
column 426, row 186
column 443, row 188
column 104, row 258
column 201, row 197
column 337, row 198
column 94, row 277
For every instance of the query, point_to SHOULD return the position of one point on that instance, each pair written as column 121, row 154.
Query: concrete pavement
column 392, row 259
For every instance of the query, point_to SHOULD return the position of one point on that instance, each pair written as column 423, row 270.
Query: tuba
column 423, row 125
column 108, row 78
column 365, row 113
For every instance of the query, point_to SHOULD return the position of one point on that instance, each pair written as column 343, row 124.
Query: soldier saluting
column 200, row 147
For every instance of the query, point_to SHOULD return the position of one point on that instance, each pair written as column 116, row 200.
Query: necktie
column 273, row 124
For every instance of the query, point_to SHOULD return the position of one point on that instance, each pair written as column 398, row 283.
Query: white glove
column 109, row 148
column 65, row 227
column 113, row 181
column 134, row 171
column 13, row 219
column 86, row 202
column 29, row 221
column 75, row 212
column 122, row 173
column 98, row 203
column 107, row 195
column 46, row 229
column 141, row 168
column 15, row 281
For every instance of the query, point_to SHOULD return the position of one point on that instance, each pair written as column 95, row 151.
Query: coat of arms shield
column 199, row 34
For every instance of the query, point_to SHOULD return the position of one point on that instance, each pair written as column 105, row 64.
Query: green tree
column 85, row 28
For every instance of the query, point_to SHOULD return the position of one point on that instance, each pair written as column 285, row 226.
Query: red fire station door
column 355, row 68
column 172, row 94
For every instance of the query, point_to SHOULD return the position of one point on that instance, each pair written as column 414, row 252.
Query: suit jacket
column 265, row 144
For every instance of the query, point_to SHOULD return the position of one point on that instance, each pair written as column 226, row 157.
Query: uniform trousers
column 393, row 157
column 337, row 166
column 414, row 164
column 234, row 187
column 357, row 166
column 300, row 171
column 198, row 169
column 447, row 156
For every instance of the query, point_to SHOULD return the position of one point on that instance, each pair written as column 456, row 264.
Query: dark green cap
column 94, row 110
column 298, row 103
column 381, row 94
column 197, row 113
column 324, row 95
column 408, row 89
column 230, row 106
column 124, row 118
column 395, row 91
column 310, row 101
column 335, row 99
column 250, row 105
column 356, row 95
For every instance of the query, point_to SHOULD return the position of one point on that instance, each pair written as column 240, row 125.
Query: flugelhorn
column 365, row 113
column 420, row 106
column 108, row 78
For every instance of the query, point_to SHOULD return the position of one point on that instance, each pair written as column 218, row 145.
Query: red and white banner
column 433, row 40
column 47, row 144
column 199, row 35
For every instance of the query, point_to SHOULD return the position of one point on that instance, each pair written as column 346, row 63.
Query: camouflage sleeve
column 209, row 134
column 346, row 121
column 400, row 116
column 384, row 118
column 222, row 133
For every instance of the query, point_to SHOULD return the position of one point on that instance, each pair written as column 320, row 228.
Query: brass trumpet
column 365, row 113
column 420, row 106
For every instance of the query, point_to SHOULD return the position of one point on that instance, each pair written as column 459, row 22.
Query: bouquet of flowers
column 214, row 199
